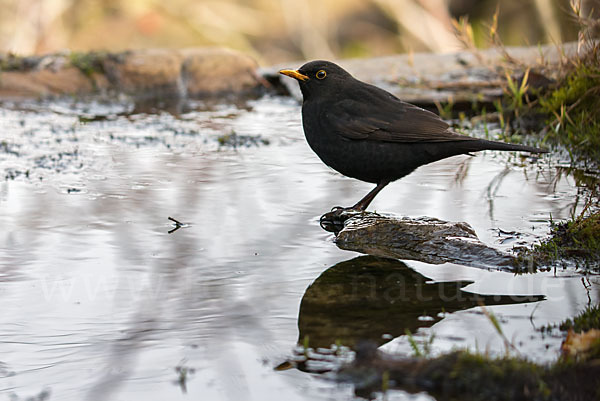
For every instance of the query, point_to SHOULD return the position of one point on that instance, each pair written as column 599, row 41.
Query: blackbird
column 367, row 133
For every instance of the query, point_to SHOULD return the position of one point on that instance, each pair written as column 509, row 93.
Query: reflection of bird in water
column 366, row 297
column 364, row 132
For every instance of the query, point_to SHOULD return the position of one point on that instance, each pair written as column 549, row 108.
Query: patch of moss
column 88, row 63
column 480, row 377
column 576, row 240
column 574, row 88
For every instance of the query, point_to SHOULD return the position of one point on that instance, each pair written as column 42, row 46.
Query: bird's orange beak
column 294, row 74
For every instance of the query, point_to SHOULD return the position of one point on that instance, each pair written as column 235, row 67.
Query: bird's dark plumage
column 367, row 133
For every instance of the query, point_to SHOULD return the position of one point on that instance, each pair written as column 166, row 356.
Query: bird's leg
column 334, row 220
column 362, row 204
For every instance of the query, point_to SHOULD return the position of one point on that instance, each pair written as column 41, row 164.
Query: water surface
column 100, row 302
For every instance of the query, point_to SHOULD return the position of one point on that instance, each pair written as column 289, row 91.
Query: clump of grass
column 582, row 342
column 574, row 109
column 419, row 352
column 517, row 89
column 588, row 319
column 445, row 110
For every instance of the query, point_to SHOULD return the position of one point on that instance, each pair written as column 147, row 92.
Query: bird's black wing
column 386, row 118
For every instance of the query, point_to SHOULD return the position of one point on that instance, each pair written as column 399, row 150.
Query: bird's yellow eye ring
column 321, row 74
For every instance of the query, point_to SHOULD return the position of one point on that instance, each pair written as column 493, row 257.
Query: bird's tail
column 493, row 145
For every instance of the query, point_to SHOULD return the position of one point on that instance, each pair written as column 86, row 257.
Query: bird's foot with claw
column 334, row 220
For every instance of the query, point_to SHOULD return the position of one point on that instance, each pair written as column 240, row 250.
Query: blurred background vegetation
column 274, row 31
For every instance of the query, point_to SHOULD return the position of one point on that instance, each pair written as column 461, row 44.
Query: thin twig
column 178, row 223
column 532, row 312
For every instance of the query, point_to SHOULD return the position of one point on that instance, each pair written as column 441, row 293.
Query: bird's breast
column 319, row 135
column 336, row 151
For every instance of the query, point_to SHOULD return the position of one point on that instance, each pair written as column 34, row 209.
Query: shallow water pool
column 100, row 302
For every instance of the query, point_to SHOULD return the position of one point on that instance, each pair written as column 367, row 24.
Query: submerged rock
column 425, row 239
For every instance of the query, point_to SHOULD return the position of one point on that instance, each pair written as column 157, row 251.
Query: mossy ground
column 573, row 110
column 464, row 375
column 479, row 377
column 557, row 104
column 576, row 241
column 565, row 110
column 87, row 62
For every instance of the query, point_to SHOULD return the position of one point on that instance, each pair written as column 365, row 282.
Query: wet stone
column 425, row 239
column 217, row 71
column 152, row 71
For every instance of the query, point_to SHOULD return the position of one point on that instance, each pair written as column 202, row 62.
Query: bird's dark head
column 319, row 77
